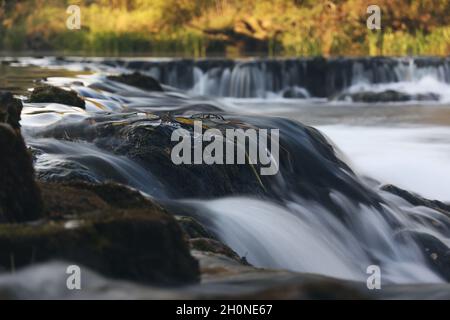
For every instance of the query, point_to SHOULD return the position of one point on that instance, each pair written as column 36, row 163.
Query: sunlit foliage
column 200, row 27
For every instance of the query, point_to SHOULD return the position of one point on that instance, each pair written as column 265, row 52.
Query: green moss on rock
column 57, row 95
column 142, row 243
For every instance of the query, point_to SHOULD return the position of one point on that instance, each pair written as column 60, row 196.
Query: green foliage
column 200, row 27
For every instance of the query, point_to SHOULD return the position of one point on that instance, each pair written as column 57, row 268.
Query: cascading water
column 316, row 216
column 304, row 236
column 267, row 78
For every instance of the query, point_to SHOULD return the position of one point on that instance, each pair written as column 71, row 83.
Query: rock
column 20, row 198
column 193, row 228
column 295, row 93
column 109, row 228
column 387, row 96
column 214, row 246
column 151, row 146
column 436, row 253
column 57, row 95
column 66, row 171
column 202, row 240
column 10, row 109
column 417, row 200
column 138, row 80
column 308, row 164
column 224, row 277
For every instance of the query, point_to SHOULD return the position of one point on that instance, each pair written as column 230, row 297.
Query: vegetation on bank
column 227, row 27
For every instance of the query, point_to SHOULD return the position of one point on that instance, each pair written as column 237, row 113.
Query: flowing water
column 402, row 143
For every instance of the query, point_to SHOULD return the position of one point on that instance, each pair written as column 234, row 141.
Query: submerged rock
column 295, row 93
column 10, row 109
column 109, row 228
column 387, row 96
column 138, row 80
column 147, row 141
column 436, row 253
column 20, row 198
column 308, row 164
column 57, row 95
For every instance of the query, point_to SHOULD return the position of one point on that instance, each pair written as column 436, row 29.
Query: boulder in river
column 57, row 95
column 308, row 164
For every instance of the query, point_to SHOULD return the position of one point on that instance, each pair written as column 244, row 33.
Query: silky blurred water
column 406, row 144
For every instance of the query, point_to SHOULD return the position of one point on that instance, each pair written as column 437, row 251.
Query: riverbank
column 228, row 28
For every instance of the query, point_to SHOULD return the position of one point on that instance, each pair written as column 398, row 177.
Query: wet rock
column 433, row 249
column 295, row 93
column 416, row 199
column 138, row 80
column 10, row 109
column 65, row 171
column 308, row 164
column 20, row 198
column 436, row 253
column 214, row 246
column 201, row 239
column 232, row 279
column 109, row 228
column 56, row 95
column 387, row 96
column 193, row 228
column 151, row 146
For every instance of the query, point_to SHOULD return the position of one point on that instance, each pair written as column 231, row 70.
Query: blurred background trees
column 231, row 27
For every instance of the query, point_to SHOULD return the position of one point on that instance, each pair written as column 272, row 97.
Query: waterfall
column 262, row 78
column 304, row 236
column 315, row 216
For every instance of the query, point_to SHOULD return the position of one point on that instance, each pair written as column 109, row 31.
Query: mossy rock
column 83, row 199
column 20, row 199
column 130, row 238
column 57, row 95
column 138, row 80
